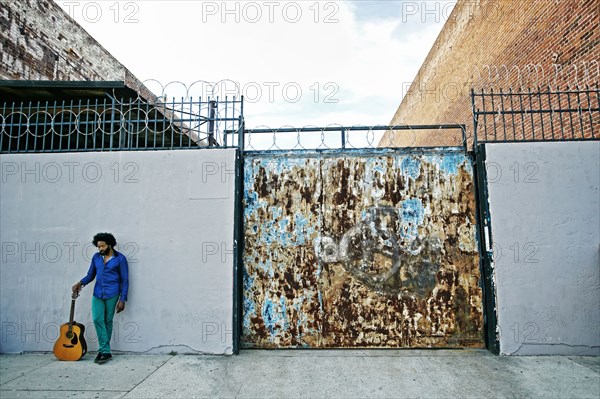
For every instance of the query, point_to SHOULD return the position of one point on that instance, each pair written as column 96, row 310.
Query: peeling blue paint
column 248, row 302
column 294, row 298
column 274, row 316
column 449, row 163
column 303, row 232
column 378, row 167
column 412, row 215
column 286, row 324
column 411, row 167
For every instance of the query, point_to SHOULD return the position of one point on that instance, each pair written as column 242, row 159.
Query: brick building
column 56, row 78
column 511, row 46
column 40, row 41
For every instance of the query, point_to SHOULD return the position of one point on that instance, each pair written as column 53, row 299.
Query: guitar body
column 71, row 344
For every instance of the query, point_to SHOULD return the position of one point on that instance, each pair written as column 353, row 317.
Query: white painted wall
column 544, row 203
column 172, row 213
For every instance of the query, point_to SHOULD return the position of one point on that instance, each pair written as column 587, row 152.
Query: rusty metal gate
column 360, row 248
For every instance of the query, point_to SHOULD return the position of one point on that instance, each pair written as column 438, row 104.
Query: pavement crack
column 237, row 394
column 151, row 374
column 30, row 371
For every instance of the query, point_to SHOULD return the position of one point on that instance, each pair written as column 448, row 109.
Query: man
column 111, row 272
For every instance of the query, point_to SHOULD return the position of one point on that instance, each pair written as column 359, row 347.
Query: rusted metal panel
column 364, row 249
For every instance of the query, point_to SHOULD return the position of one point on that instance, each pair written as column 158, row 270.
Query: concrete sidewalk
column 305, row 374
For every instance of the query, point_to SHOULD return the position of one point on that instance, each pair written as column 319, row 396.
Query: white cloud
column 359, row 60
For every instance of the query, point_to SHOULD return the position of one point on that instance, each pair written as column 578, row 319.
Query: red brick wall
column 508, row 45
column 39, row 41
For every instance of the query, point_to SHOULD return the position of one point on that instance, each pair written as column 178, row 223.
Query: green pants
column 103, row 312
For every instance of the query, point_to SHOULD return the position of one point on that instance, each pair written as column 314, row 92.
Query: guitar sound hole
column 70, row 334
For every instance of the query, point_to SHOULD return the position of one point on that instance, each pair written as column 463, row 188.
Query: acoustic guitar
column 71, row 344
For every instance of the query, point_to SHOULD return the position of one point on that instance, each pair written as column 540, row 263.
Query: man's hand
column 120, row 306
column 77, row 287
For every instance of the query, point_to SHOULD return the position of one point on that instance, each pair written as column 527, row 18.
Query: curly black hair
column 106, row 237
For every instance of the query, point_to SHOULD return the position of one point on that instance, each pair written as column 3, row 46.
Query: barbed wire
column 337, row 136
column 517, row 77
column 156, row 92
column 192, row 119
column 152, row 121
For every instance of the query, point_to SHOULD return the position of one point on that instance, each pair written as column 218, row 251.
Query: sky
column 297, row 63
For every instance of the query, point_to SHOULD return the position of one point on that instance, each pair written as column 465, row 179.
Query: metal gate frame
column 480, row 193
column 524, row 115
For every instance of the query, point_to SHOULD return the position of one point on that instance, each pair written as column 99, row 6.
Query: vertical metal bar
column 484, row 115
column 133, row 121
column 194, row 121
column 3, row 130
column 47, row 127
column 522, row 114
column 16, row 123
column 589, row 101
column 93, row 131
column 8, row 128
column 512, row 114
column 568, row 92
column 560, row 117
column 122, row 123
column 483, row 224
column 242, row 127
column 211, row 123
column 181, row 116
column 28, row 128
column 62, row 125
column 98, row 129
column 551, row 113
column 140, row 129
column 167, row 115
column 102, row 131
column 70, row 106
column 40, row 126
column 127, row 125
column 78, row 132
column 597, row 101
column 113, row 109
column 77, row 121
column 541, row 110
column 173, row 116
column 494, row 111
column 125, row 107
column 579, row 113
column 166, row 127
column 225, row 129
column 133, row 107
column 238, row 264
column 531, row 113
column 503, row 116
column 145, row 124
column 343, row 132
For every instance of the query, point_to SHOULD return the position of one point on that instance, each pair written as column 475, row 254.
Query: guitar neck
column 72, row 315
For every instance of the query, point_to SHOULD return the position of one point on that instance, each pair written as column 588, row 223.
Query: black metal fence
column 343, row 137
column 541, row 114
column 109, row 125
column 114, row 125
